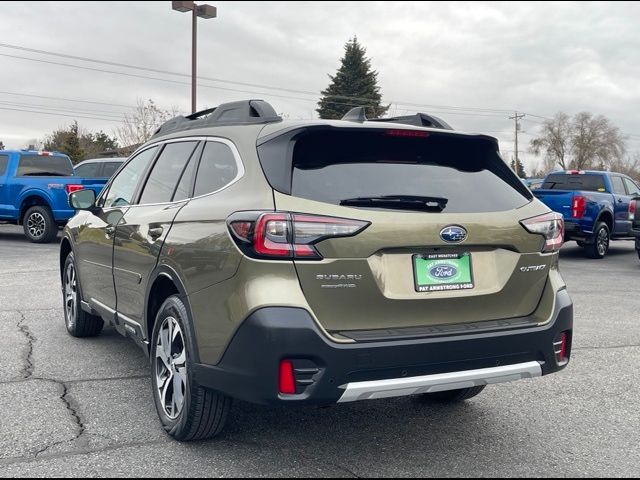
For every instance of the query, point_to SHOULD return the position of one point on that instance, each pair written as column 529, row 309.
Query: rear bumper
column 329, row 372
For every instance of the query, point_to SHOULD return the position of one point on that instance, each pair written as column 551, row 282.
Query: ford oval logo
column 453, row 234
column 443, row 271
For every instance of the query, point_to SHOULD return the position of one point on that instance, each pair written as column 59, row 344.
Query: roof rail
column 358, row 114
column 246, row 112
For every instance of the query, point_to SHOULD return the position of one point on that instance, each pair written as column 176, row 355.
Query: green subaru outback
column 317, row 262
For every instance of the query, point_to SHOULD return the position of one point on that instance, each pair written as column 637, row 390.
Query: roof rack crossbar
column 247, row 112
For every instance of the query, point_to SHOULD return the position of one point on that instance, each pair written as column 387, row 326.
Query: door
column 141, row 234
column 94, row 244
column 621, row 201
column 4, row 196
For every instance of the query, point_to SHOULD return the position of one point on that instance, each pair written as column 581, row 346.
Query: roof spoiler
column 358, row 114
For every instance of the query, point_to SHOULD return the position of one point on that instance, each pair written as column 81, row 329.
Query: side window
column 88, row 170
column 165, row 173
column 632, row 188
column 124, row 185
column 217, row 169
column 4, row 161
column 186, row 181
column 110, row 168
column 618, row 185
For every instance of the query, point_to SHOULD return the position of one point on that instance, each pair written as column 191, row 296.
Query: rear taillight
column 283, row 235
column 550, row 226
column 632, row 210
column 578, row 206
column 73, row 188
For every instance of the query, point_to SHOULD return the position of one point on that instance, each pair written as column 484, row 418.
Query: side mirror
column 82, row 199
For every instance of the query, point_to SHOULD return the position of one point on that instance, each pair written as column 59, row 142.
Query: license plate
column 441, row 272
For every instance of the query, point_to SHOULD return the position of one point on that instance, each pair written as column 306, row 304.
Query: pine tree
column 355, row 78
column 519, row 169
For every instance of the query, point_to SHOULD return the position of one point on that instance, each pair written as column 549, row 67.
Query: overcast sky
column 533, row 57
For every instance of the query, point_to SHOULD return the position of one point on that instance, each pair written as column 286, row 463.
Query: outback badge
column 453, row 234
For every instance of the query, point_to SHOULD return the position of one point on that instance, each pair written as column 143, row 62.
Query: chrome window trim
column 227, row 142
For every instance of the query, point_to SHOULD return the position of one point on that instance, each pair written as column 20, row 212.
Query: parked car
column 33, row 191
column 98, row 168
column 317, row 262
column 594, row 204
column 634, row 218
column 534, row 183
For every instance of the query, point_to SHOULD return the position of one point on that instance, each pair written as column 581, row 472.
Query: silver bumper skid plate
column 398, row 387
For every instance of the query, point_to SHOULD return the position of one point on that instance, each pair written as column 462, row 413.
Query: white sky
column 535, row 57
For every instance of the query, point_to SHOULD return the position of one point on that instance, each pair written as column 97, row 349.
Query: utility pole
column 517, row 117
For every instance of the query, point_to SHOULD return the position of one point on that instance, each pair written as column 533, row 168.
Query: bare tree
column 139, row 126
column 628, row 165
column 554, row 142
column 596, row 142
column 581, row 142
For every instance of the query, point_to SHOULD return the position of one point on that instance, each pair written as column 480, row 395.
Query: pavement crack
column 29, row 365
column 73, row 411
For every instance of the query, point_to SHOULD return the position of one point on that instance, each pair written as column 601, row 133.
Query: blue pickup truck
column 34, row 190
column 595, row 206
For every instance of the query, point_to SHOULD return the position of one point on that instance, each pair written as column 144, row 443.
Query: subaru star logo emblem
column 453, row 234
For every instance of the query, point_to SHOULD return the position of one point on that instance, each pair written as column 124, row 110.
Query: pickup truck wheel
column 187, row 411
column 79, row 323
column 39, row 225
column 453, row 396
column 600, row 245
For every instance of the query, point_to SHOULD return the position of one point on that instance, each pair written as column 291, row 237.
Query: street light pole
column 202, row 11
column 194, row 59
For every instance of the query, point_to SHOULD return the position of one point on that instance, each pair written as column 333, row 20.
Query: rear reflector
column 561, row 348
column 73, row 188
column 286, row 379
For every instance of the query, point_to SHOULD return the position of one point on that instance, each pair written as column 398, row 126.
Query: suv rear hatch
column 444, row 247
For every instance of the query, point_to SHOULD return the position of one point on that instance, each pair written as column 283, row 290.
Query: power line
column 234, row 82
column 60, row 114
column 67, row 99
column 102, row 113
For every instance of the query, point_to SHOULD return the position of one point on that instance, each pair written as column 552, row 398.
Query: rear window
column 580, row 181
column 337, row 166
column 110, row 168
column 88, row 170
column 44, row 166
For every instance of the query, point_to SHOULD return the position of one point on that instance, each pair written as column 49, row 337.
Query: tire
column 39, row 225
column 453, row 396
column 601, row 240
column 196, row 413
column 79, row 323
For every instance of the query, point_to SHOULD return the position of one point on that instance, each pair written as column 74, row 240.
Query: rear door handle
column 155, row 233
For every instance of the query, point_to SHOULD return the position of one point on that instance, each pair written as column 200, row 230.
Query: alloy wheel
column 70, row 294
column 603, row 241
column 171, row 368
column 36, row 224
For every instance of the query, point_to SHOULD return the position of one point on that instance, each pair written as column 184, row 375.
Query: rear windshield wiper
column 399, row 202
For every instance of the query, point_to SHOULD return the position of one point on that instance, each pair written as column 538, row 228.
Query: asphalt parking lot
column 74, row 407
